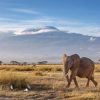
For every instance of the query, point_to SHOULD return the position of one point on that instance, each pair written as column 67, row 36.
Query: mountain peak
column 50, row 27
column 39, row 30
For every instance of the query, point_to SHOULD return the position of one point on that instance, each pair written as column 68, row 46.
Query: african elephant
column 71, row 63
column 81, row 67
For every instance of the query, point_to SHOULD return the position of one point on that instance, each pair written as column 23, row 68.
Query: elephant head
column 67, row 62
column 71, row 63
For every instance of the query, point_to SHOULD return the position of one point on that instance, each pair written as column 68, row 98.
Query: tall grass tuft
column 12, row 79
column 45, row 68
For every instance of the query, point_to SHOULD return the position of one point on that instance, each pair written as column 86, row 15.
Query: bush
column 45, row 68
column 38, row 73
column 97, row 67
column 58, row 69
column 24, row 68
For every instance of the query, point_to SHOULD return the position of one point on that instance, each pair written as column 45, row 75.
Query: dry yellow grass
column 97, row 67
column 47, row 82
column 8, row 79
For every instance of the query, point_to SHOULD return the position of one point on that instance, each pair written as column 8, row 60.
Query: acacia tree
column 99, row 60
column 1, row 62
column 43, row 62
column 14, row 62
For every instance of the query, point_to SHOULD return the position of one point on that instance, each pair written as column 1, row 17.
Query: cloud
column 65, row 25
column 90, row 30
column 39, row 30
column 92, row 39
column 5, row 19
column 27, row 11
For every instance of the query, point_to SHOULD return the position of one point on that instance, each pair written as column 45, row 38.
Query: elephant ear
column 70, row 62
column 65, row 58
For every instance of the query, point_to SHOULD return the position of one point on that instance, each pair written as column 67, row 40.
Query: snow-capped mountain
column 49, row 44
column 39, row 30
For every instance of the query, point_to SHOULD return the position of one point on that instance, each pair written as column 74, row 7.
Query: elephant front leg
column 72, row 77
column 67, row 78
column 70, row 80
column 75, row 81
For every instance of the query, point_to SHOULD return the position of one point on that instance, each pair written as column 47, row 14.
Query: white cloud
column 27, row 11
column 89, row 30
column 38, row 30
column 92, row 39
column 5, row 19
column 65, row 25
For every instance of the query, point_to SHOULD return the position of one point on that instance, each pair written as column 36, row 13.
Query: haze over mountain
column 47, row 43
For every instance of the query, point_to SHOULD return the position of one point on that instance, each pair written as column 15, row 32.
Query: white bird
column 26, row 90
column 11, row 87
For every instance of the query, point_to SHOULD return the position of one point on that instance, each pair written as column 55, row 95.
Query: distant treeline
column 27, row 63
column 24, row 63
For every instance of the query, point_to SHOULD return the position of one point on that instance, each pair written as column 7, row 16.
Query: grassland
column 46, row 83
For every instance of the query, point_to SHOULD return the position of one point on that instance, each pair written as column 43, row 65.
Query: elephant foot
column 87, row 86
column 96, row 84
column 67, row 86
column 77, row 87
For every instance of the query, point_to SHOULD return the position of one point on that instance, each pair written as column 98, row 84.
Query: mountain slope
column 50, row 45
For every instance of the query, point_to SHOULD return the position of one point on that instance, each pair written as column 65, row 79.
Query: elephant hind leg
column 94, row 82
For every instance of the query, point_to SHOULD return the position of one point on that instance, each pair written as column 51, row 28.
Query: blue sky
column 81, row 16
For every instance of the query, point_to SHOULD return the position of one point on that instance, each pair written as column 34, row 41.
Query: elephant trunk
column 65, row 64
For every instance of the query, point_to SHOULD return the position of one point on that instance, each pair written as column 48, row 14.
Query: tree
column 24, row 63
column 14, row 62
column 34, row 64
column 42, row 62
column 1, row 62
